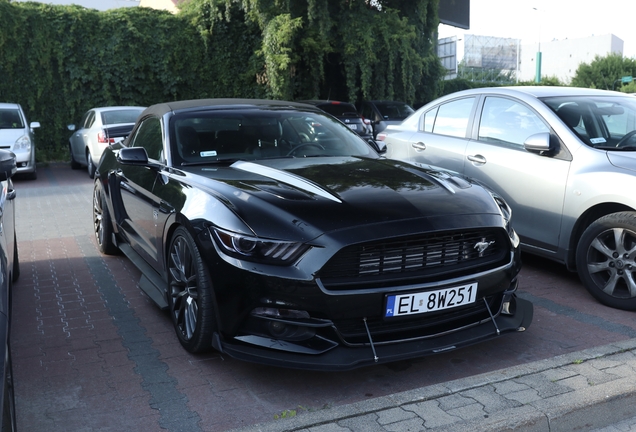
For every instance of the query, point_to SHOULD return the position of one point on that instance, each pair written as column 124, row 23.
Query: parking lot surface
column 92, row 353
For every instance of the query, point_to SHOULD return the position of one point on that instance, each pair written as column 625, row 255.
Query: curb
column 584, row 406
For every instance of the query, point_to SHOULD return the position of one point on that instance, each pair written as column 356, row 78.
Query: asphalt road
column 92, row 353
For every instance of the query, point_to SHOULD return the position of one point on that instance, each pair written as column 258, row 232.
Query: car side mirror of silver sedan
column 539, row 142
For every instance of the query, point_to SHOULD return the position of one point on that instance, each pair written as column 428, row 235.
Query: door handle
column 478, row 159
column 419, row 146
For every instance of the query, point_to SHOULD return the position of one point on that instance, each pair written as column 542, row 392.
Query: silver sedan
column 563, row 158
column 90, row 137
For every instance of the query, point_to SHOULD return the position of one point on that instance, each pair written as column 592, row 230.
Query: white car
column 91, row 136
column 17, row 135
column 563, row 158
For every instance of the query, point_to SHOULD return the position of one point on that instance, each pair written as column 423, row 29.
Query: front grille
column 425, row 258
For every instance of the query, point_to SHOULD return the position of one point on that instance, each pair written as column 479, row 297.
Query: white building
column 561, row 58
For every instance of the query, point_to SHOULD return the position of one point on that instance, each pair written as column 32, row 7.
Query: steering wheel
column 291, row 153
column 626, row 138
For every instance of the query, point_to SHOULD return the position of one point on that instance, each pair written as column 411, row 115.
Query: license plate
column 353, row 126
column 430, row 301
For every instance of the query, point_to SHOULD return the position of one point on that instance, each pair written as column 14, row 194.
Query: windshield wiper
column 211, row 161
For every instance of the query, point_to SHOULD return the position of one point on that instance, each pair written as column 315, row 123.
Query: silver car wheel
column 606, row 260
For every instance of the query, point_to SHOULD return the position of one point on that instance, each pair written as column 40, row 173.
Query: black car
column 274, row 234
column 9, row 273
column 346, row 113
column 382, row 113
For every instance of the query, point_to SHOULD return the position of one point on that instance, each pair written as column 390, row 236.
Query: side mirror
column 71, row 127
column 7, row 165
column 34, row 125
column 538, row 142
column 132, row 156
column 379, row 146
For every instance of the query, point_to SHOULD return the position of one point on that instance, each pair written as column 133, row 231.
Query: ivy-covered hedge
column 59, row 61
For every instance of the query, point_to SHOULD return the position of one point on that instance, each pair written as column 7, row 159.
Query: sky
column 535, row 21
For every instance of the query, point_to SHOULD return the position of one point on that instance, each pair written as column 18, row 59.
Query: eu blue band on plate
column 390, row 304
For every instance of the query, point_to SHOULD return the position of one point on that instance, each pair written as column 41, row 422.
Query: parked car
column 17, row 136
column 382, row 113
column 272, row 233
column 563, row 158
column 9, row 273
column 99, row 128
column 346, row 113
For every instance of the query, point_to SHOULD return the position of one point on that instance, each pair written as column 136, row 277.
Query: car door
column 532, row 183
column 135, row 185
column 80, row 136
column 442, row 137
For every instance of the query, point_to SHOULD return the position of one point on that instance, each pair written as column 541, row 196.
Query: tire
column 90, row 166
column 8, row 408
column 606, row 260
column 102, row 223
column 16, row 261
column 190, row 298
column 74, row 164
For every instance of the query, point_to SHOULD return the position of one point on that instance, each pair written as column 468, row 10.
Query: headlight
column 278, row 252
column 506, row 214
column 23, row 143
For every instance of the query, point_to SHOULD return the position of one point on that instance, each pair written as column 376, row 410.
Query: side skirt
column 150, row 282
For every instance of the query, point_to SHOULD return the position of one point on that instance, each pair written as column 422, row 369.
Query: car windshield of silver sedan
column 10, row 119
column 211, row 136
column 607, row 123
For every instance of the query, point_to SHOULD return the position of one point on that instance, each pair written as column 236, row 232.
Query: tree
column 604, row 72
column 304, row 49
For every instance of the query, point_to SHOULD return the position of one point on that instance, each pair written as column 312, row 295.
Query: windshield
column 339, row 109
column 210, row 136
column 394, row 110
column 10, row 119
column 605, row 122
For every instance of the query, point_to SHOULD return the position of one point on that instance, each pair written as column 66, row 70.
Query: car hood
column 319, row 195
column 625, row 160
column 8, row 137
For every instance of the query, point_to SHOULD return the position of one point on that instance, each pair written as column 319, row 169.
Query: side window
column 452, row 117
column 367, row 111
column 88, row 119
column 429, row 120
column 509, row 122
column 149, row 137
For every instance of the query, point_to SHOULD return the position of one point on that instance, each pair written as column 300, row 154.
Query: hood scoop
column 285, row 177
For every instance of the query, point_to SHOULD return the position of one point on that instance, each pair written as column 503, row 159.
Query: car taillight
column 103, row 138
column 380, row 136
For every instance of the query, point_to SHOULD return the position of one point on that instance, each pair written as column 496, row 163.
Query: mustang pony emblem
column 482, row 245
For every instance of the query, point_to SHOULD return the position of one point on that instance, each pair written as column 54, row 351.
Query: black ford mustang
column 275, row 234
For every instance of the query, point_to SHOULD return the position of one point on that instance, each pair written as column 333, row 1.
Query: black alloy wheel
column 102, row 224
column 606, row 260
column 190, row 294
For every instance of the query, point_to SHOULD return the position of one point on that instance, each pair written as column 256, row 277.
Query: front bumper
column 343, row 357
